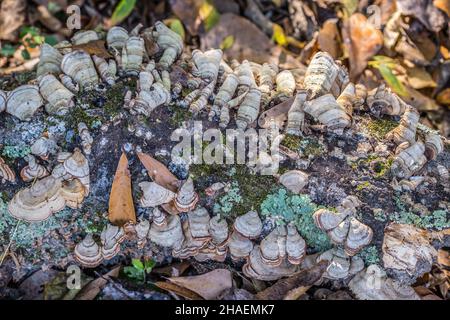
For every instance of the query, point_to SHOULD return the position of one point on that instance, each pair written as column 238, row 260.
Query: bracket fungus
column 341, row 266
column 6, row 173
column 256, row 268
column 33, row 170
column 77, row 166
column 166, row 233
column 111, row 237
column 294, row 180
column 154, row 194
column 39, row 201
column 24, row 101
column 372, row 283
column 186, row 198
column 58, row 97
column 343, row 228
column 88, row 253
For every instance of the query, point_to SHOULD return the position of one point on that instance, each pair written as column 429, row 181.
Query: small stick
column 11, row 238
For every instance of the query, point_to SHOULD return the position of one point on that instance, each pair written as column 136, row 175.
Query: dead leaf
column 208, row 285
column 277, row 113
column 188, row 12
column 302, row 279
column 96, row 47
column 93, row 288
column 121, row 207
column 362, row 41
column 12, row 17
column 172, row 287
column 444, row 5
column 296, row 293
column 419, row 78
column 252, row 44
column 158, row 172
column 172, row 270
column 420, row 101
column 329, row 38
column 424, row 10
column 51, row 22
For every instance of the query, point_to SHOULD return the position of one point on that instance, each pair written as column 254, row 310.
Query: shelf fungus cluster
column 343, row 228
column 67, row 184
column 317, row 102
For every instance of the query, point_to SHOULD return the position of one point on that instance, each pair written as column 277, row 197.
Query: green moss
column 298, row 209
column 291, row 141
column 252, row 188
column 370, row 255
column 382, row 167
column 364, row 185
column 380, row 127
column 311, row 147
column 179, row 115
column 114, row 96
column 78, row 115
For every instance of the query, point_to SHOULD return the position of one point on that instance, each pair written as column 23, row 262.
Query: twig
column 107, row 278
column 11, row 238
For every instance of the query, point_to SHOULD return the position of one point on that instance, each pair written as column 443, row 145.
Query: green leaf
column 7, row 50
column 149, row 264
column 350, row 6
column 177, row 26
column 137, row 264
column 51, row 40
column 393, row 82
column 227, row 42
column 209, row 14
column 32, row 31
column 25, row 54
column 278, row 35
column 123, row 10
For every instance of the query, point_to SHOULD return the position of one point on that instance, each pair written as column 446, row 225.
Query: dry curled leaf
column 96, row 47
column 295, row 285
column 121, row 207
column 12, row 17
column 419, row 78
column 208, row 285
column 158, row 172
column 93, row 288
column 277, row 113
column 424, row 11
column 188, row 12
column 178, row 290
column 252, row 44
column 362, row 41
column 329, row 38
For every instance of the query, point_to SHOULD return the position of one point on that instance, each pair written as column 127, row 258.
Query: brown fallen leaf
column 96, row 47
column 172, row 270
column 444, row 97
column 208, row 285
column 362, row 41
column 12, row 17
column 121, row 207
column 329, row 38
column 444, row 5
column 188, row 12
column 178, row 290
column 302, row 279
column 93, row 288
column 158, row 172
column 253, row 44
column 296, row 293
column 419, row 78
column 51, row 22
column 277, row 113
column 420, row 101
column 424, row 10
